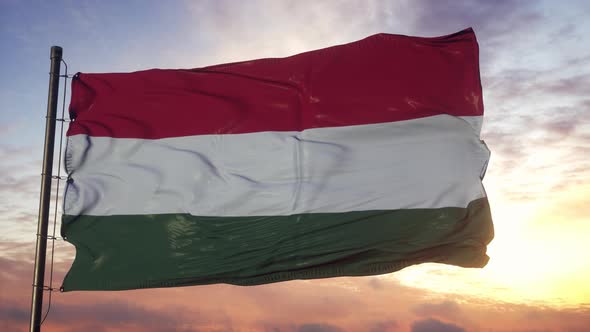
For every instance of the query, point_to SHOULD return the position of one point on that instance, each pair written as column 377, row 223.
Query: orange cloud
column 375, row 304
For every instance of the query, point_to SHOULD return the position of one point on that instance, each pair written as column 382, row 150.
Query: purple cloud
column 446, row 309
column 318, row 328
column 434, row 325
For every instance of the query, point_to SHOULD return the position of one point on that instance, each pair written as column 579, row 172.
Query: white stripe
column 422, row 163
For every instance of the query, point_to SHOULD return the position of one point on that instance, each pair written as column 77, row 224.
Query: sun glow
column 531, row 257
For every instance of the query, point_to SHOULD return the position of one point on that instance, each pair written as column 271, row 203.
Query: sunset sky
column 535, row 70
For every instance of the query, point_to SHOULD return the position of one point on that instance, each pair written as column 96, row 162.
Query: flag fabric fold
column 357, row 159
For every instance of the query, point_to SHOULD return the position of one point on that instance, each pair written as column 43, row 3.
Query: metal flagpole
column 43, row 221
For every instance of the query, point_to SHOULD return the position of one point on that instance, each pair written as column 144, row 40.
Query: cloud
column 299, row 26
column 384, row 326
column 14, row 269
column 446, row 309
column 555, row 87
column 119, row 314
column 520, row 21
column 93, row 317
column 318, row 328
column 433, row 15
column 13, row 314
column 339, row 304
column 20, row 181
column 540, row 152
column 375, row 283
column 304, row 25
column 13, row 318
column 433, row 325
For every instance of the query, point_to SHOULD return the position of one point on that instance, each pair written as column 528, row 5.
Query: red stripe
column 382, row 78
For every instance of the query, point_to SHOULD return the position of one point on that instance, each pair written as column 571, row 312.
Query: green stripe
column 167, row 250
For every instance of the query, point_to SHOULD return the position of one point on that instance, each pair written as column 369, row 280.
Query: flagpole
column 45, row 197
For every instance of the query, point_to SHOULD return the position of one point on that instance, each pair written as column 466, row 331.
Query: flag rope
column 58, row 178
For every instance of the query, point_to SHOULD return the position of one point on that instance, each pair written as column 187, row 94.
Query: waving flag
column 357, row 159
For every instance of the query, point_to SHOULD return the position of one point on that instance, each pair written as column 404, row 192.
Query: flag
column 353, row 160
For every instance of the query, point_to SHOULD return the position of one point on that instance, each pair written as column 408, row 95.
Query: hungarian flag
column 357, row 159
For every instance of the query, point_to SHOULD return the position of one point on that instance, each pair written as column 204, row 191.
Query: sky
column 535, row 70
